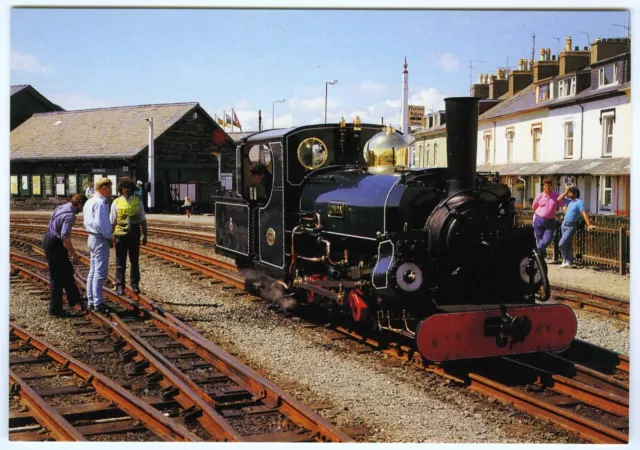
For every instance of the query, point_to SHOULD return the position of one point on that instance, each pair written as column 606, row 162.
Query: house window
column 606, row 192
column 435, row 153
column 537, row 135
column 543, row 92
column 608, row 74
column 487, row 148
column 568, row 139
column 510, row 134
column 607, row 135
column 567, row 87
column 428, row 154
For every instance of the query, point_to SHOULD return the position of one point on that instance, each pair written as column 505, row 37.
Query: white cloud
column 393, row 103
column 372, row 87
column 308, row 104
column 449, row 62
column 79, row 101
column 22, row 62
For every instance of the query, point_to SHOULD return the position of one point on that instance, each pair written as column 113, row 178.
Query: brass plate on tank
column 271, row 236
column 336, row 210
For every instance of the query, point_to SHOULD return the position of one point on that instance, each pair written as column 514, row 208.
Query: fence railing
column 608, row 245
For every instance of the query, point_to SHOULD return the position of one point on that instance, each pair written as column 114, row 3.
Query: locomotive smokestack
column 462, row 138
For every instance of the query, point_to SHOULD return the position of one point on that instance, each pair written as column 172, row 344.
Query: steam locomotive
column 431, row 254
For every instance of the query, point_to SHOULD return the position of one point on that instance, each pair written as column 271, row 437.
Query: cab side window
column 258, row 169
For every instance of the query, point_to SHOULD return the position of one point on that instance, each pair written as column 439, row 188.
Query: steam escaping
column 275, row 293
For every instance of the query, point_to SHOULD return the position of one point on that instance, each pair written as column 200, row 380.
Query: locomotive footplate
column 498, row 331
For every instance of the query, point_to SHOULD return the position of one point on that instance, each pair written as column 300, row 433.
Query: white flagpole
column 224, row 120
column 232, row 117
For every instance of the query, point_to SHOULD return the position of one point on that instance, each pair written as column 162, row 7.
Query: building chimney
column 567, row 42
column 547, row 54
column 608, row 48
column 548, row 67
column 498, row 86
column 542, row 54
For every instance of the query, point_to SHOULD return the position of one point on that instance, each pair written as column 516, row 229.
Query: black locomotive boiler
column 431, row 254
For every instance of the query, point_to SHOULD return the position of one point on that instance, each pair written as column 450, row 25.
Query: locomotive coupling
column 507, row 329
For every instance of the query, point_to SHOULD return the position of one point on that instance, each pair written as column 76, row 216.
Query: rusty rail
column 135, row 407
column 45, row 415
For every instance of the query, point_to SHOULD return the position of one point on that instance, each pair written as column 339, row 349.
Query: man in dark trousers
column 127, row 217
column 58, row 247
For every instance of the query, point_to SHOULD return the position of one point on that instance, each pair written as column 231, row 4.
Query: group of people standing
column 121, row 227
column 545, row 206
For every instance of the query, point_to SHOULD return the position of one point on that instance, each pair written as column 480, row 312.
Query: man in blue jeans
column 97, row 223
column 574, row 207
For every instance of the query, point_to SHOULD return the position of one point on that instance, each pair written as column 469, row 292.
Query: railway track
column 215, row 393
column 41, row 226
column 584, row 389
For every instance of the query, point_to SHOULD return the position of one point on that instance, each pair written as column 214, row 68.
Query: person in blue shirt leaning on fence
column 573, row 209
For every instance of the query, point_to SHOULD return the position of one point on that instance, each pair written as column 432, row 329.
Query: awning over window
column 603, row 166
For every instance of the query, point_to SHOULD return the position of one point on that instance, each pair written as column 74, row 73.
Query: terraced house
column 567, row 118
column 572, row 124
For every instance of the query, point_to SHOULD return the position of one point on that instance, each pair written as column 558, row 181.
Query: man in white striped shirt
column 97, row 223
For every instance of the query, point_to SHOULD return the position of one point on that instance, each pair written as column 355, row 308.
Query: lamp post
column 326, row 92
column 151, row 201
column 273, row 111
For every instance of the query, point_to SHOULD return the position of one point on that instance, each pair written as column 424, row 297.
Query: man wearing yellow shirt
column 127, row 218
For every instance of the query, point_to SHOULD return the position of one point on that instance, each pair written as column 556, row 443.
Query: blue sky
column 246, row 59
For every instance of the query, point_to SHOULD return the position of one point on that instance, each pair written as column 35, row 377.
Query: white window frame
column 510, row 135
column 487, row 147
column 614, row 76
column 435, row 153
column 427, row 152
column 604, row 189
column 567, row 139
column 535, row 156
column 606, row 118
column 561, row 89
column 572, row 89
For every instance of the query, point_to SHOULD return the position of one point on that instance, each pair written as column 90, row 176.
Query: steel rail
column 589, row 429
column 589, row 301
column 194, row 255
column 257, row 385
column 133, row 406
column 177, row 234
column 189, row 395
column 583, row 392
column 45, row 415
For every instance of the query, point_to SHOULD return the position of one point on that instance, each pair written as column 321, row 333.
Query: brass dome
column 387, row 148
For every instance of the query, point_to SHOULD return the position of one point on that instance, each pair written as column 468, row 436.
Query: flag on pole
column 227, row 119
column 236, row 122
column 219, row 121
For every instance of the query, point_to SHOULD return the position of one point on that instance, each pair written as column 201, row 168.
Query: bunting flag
column 227, row 119
column 236, row 122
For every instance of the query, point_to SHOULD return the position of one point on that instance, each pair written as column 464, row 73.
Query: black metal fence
column 608, row 245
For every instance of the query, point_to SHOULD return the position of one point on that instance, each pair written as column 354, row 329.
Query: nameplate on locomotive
column 336, row 210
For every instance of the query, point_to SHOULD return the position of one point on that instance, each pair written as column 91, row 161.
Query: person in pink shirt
column 545, row 206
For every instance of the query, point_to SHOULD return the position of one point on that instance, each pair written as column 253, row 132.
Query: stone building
column 53, row 155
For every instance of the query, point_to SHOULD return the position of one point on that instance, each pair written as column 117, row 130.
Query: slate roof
column 603, row 166
column 18, row 88
column 95, row 133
